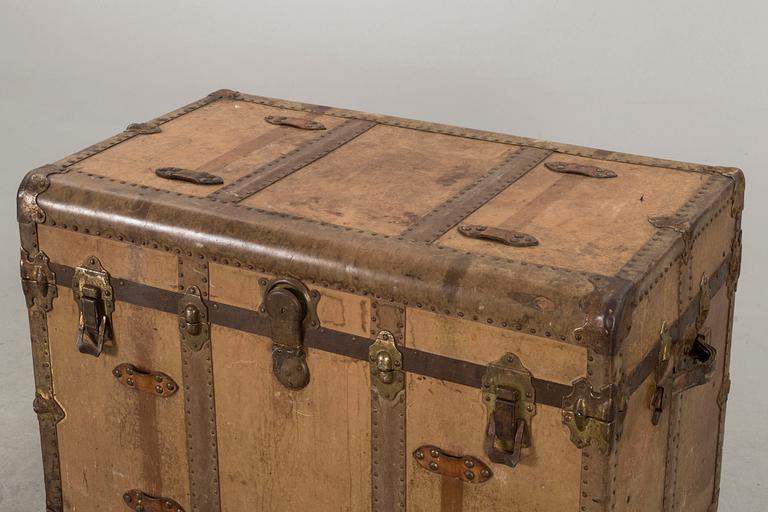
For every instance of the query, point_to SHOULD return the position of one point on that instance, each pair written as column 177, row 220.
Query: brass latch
column 291, row 308
column 95, row 300
column 193, row 319
column 591, row 415
column 37, row 280
column 510, row 398
column 387, row 375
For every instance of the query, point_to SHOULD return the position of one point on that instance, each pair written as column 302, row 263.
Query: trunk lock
column 291, row 309
column 95, row 300
column 510, row 397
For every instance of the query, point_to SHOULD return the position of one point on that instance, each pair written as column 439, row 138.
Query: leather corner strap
column 504, row 236
column 590, row 171
column 153, row 383
column 142, row 502
column 464, row 467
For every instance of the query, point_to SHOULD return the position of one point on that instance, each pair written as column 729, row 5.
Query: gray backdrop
column 683, row 80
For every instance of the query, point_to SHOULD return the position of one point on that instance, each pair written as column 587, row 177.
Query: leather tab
column 141, row 502
column 463, row 467
column 154, row 383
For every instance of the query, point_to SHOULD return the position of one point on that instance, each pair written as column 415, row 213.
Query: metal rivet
column 485, row 472
column 468, row 463
column 127, row 498
column 116, row 373
column 470, row 475
column 435, row 453
column 158, row 378
column 159, row 389
column 433, row 466
column 419, row 455
column 129, row 382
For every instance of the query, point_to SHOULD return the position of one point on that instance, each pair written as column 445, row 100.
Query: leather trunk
column 255, row 304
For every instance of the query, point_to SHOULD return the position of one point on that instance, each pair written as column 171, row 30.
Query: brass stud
column 470, row 475
column 485, row 472
column 127, row 498
column 159, row 389
column 129, row 382
column 419, row 454
column 433, row 466
column 158, row 378
column 469, row 463
column 116, row 373
column 435, row 453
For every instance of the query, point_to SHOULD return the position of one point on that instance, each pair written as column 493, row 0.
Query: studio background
column 683, row 80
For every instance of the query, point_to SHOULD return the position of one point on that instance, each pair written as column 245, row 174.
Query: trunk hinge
column 38, row 281
column 594, row 417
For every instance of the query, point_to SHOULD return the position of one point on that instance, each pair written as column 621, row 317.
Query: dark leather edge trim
column 327, row 340
column 461, row 205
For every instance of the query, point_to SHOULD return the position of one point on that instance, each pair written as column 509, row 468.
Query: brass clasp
column 95, row 300
column 510, row 397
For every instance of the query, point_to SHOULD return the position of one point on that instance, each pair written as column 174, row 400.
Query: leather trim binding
column 327, row 340
column 286, row 165
column 388, row 453
column 199, row 399
column 440, row 220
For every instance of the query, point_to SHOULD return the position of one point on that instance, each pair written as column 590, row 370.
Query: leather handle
column 463, row 467
column 295, row 122
column 154, row 383
column 196, row 177
column 504, row 236
column 138, row 500
column 590, row 171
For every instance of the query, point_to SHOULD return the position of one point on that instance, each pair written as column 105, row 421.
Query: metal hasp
column 141, row 502
column 582, row 170
column 590, row 415
column 505, row 236
column 291, row 309
column 95, row 300
column 466, row 468
column 510, row 398
column 193, row 319
column 38, row 281
column 386, row 363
